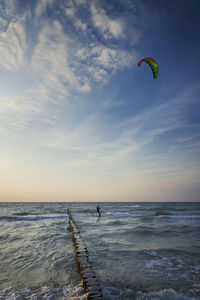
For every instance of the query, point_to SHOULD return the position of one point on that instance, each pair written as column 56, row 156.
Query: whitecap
column 45, row 292
column 132, row 206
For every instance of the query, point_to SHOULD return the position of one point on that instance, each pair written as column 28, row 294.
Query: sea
column 137, row 250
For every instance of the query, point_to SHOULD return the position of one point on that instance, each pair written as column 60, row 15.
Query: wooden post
column 88, row 278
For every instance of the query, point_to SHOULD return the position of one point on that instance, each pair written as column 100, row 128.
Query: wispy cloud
column 61, row 92
column 13, row 45
column 107, row 26
column 41, row 7
column 7, row 13
column 50, row 61
column 56, row 55
column 136, row 146
column 54, row 64
column 100, row 62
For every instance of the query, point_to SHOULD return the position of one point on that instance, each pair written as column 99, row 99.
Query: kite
column 152, row 63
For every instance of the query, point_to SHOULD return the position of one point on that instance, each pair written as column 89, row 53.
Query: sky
column 79, row 120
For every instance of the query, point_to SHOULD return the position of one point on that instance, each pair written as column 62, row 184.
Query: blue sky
column 79, row 121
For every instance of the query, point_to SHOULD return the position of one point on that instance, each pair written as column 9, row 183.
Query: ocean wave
column 184, row 216
column 126, row 214
column 25, row 213
column 35, row 218
column 45, row 292
column 113, row 293
column 132, row 206
column 160, row 212
column 50, row 207
column 163, row 295
column 122, row 214
column 143, row 230
column 152, row 214
column 86, row 210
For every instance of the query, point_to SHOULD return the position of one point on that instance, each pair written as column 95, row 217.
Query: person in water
column 98, row 210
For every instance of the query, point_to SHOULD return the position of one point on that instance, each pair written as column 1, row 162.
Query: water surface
column 137, row 250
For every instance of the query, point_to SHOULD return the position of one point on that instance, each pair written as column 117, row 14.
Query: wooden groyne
column 88, row 278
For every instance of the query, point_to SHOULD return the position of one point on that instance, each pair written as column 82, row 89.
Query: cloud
column 111, row 58
column 42, row 6
column 49, row 61
column 70, row 10
column 7, row 12
column 73, row 63
column 100, row 62
column 15, row 124
column 13, row 45
column 108, row 27
column 93, row 58
column 17, row 104
column 3, row 23
column 80, row 25
column 137, row 146
column 44, row 62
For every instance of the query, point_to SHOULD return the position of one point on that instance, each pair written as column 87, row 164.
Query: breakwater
column 84, row 266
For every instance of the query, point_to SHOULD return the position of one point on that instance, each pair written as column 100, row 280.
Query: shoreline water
column 138, row 250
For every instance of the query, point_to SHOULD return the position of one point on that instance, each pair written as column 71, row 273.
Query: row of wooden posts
column 88, row 278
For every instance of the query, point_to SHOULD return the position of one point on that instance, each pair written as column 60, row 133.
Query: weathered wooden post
column 84, row 266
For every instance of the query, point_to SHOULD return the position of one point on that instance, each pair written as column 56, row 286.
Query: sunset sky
column 79, row 120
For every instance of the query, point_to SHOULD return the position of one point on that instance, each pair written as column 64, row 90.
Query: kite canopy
column 152, row 63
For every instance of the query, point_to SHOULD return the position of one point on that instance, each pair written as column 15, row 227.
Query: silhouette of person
column 98, row 210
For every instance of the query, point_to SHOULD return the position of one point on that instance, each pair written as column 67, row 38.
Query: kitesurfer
column 98, row 210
